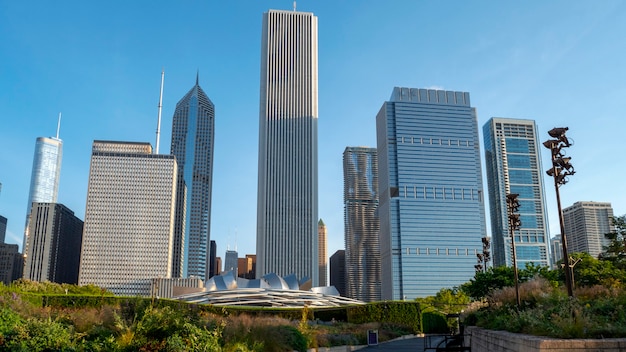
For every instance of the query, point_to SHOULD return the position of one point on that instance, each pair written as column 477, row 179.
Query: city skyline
column 108, row 88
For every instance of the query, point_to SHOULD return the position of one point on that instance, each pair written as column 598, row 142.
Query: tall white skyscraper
column 129, row 219
column 586, row 223
column 287, row 241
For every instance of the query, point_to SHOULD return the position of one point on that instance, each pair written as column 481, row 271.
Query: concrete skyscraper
column 55, row 237
column 361, row 223
column 586, row 223
column 129, row 218
column 193, row 130
column 287, row 211
column 513, row 163
column 431, row 206
column 322, row 234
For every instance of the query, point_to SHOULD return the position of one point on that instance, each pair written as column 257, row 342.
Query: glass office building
column 287, row 214
column 45, row 176
column 431, row 206
column 361, row 223
column 513, row 165
column 193, row 131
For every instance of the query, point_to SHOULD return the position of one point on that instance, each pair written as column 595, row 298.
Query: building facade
column 193, row 135
column 11, row 263
column 322, row 233
column 129, row 219
column 338, row 271
column 556, row 251
column 513, row 163
column 213, row 259
column 431, row 205
column 287, row 241
column 231, row 262
column 45, row 175
column 361, row 223
column 54, row 244
column 586, row 223
column 3, row 228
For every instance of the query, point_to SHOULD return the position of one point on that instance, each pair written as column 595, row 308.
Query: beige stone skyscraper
column 586, row 223
column 129, row 218
column 322, row 233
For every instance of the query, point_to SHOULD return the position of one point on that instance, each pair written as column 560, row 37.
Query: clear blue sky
column 561, row 63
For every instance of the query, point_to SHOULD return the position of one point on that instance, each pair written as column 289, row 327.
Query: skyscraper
column 431, row 207
column 556, row 251
column 513, row 164
column 361, row 223
column 231, row 262
column 586, row 223
column 193, row 130
column 129, row 218
column 11, row 263
column 338, row 271
column 55, row 236
column 3, row 228
column 212, row 259
column 322, row 233
column 287, row 190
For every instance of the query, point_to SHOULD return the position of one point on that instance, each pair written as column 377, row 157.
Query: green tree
column 615, row 252
column 590, row 271
column 485, row 282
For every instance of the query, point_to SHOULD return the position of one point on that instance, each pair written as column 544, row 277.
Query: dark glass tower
column 360, row 198
column 193, row 129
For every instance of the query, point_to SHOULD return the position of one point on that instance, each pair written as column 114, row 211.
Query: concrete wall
column 483, row 340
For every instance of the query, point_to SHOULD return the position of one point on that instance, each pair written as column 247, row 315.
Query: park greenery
column 596, row 310
column 44, row 316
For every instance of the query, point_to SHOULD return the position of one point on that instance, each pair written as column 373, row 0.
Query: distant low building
column 11, row 262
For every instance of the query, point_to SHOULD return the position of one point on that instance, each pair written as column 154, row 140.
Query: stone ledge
column 504, row 341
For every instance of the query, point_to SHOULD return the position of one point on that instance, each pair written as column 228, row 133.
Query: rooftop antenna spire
column 158, row 131
column 294, row 5
column 58, row 125
column 197, row 76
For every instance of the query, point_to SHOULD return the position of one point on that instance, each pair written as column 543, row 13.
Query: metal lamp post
column 561, row 168
column 514, row 224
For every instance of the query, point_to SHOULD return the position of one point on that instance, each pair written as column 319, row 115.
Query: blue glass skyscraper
column 431, row 208
column 193, row 129
column 513, row 165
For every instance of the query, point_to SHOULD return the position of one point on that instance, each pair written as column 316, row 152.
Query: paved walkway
column 401, row 345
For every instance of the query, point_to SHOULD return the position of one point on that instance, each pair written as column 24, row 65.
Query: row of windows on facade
column 431, row 192
column 435, row 141
column 440, row 251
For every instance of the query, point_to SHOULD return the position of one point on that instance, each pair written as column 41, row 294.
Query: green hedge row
column 406, row 313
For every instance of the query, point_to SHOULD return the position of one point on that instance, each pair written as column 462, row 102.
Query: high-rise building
column 244, row 267
column 231, row 262
column 252, row 257
column 431, row 206
column 11, row 263
column 55, row 237
column 322, row 233
column 3, row 228
column 218, row 265
column 212, row 259
column 556, row 251
column 586, row 223
column 193, row 131
column 513, row 163
column 338, row 271
column 361, row 223
column 287, row 190
column 45, row 175
column 129, row 218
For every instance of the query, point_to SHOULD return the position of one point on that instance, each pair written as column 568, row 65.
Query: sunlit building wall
column 287, row 210
column 129, row 219
column 431, row 205
column 586, row 223
column 322, row 233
